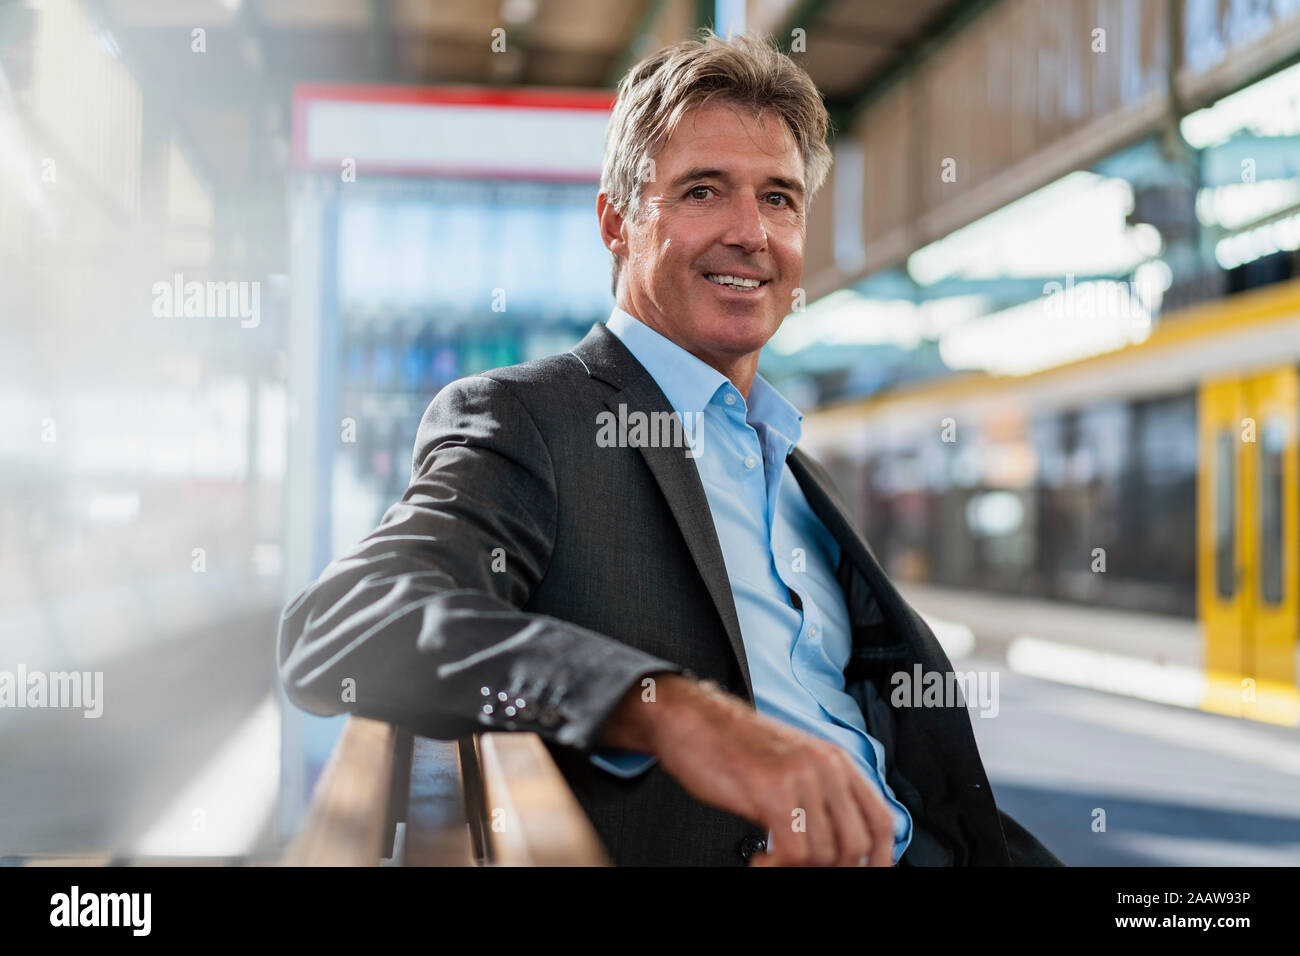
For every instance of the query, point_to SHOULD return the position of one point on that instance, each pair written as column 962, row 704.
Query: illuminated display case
column 435, row 233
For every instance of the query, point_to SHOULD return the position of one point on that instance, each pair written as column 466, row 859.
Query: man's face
column 727, row 200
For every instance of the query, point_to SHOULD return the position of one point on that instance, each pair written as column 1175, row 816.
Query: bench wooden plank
column 531, row 816
column 437, row 830
column 490, row 799
column 349, row 820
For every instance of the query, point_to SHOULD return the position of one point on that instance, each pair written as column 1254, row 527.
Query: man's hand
column 725, row 754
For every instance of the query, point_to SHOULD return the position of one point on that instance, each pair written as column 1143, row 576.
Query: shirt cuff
column 623, row 763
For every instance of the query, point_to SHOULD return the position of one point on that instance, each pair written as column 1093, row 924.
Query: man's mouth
column 739, row 283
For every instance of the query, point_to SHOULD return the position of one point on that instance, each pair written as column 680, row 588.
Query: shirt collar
column 690, row 384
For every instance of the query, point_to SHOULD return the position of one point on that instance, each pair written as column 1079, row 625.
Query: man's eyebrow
column 703, row 172
column 794, row 185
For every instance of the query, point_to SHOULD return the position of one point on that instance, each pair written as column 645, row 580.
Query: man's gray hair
column 656, row 93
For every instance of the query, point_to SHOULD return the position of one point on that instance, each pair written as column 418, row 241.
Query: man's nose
column 745, row 226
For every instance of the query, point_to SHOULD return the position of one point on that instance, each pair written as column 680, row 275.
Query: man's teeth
column 734, row 281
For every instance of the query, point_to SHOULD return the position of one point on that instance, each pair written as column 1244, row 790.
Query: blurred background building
column 1053, row 273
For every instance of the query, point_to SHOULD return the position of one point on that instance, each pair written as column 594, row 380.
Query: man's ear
column 611, row 226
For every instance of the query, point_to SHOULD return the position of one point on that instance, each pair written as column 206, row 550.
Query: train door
column 1247, row 545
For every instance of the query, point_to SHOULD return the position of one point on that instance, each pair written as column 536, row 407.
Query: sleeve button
column 751, row 845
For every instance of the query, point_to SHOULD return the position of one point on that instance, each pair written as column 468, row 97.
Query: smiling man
column 714, row 246
column 694, row 626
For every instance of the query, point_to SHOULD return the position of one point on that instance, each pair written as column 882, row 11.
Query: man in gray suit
column 622, row 549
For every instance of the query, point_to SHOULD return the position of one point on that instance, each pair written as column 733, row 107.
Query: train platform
column 1154, row 657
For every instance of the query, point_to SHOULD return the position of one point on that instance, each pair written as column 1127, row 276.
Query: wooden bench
column 494, row 799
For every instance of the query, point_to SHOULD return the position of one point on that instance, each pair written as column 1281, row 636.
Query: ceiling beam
column 631, row 49
column 949, row 23
column 805, row 16
column 383, row 41
column 704, row 13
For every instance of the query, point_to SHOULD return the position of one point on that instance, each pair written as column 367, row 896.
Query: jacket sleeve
column 420, row 624
column 1024, row 847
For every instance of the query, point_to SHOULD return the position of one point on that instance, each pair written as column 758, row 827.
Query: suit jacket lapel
column 820, row 492
column 605, row 357
column 826, row 504
column 949, row 729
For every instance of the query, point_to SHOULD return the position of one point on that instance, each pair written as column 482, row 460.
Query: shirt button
column 812, row 631
column 751, row 461
column 729, row 399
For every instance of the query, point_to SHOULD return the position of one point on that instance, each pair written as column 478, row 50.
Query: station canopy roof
column 232, row 98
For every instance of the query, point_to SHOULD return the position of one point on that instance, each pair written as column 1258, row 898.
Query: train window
column 1270, row 510
column 1225, row 513
column 1160, row 532
column 1105, row 432
column 1048, row 438
column 1167, row 437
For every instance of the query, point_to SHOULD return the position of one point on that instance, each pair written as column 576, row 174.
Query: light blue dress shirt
column 773, row 545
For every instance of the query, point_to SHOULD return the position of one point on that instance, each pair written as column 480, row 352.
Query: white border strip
column 450, row 138
column 1174, row 684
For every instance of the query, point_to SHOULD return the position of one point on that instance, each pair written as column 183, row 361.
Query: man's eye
column 785, row 200
column 698, row 189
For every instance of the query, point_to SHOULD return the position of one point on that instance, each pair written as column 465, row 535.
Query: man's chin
column 736, row 331
column 733, row 346
column 742, row 335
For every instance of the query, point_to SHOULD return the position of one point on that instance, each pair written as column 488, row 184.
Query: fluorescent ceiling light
column 1265, row 240
column 1240, row 204
column 1074, row 225
column 847, row 317
column 1270, row 107
column 1087, row 319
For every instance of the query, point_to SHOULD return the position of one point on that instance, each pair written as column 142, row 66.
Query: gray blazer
column 526, row 560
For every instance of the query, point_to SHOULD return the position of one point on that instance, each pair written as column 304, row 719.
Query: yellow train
column 1161, row 477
